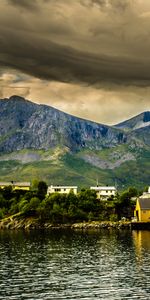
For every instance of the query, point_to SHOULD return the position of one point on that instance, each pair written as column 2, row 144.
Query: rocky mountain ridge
column 39, row 141
column 26, row 125
column 137, row 122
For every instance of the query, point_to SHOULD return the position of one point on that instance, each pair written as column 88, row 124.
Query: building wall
column 61, row 190
column 137, row 211
column 25, row 188
column 145, row 216
column 105, row 194
column 141, row 215
column 2, row 186
column 16, row 187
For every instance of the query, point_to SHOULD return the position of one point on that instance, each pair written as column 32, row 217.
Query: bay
column 59, row 264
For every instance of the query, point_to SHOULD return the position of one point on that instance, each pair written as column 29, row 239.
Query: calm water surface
column 66, row 265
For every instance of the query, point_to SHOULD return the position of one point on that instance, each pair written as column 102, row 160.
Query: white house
column 146, row 194
column 62, row 189
column 104, row 192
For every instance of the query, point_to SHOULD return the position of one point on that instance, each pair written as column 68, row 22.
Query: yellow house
column 16, row 185
column 142, row 209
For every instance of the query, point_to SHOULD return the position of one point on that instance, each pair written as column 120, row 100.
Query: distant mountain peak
column 139, row 121
column 13, row 97
column 146, row 117
column 19, row 99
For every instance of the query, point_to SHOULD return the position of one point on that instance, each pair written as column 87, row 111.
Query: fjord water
column 70, row 265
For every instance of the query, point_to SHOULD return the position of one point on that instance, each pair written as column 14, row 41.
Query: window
column 57, row 190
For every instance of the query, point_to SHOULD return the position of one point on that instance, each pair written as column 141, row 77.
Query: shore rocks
column 101, row 225
column 31, row 223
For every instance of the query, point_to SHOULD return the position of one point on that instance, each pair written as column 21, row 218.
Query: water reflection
column 70, row 265
column 142, row 241
column 142, row 245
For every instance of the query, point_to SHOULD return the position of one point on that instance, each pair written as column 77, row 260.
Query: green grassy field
column 71, row 169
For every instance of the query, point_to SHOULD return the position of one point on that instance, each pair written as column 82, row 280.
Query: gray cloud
column 108, row 105
column 45, row 59
column 60, row 43
column 26, row 4
column 102, row 45
column 118, row 5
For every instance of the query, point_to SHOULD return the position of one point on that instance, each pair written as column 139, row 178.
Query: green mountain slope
column 38, row 141
column 69, row 168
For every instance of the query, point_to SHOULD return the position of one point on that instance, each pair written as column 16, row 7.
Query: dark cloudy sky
column 90, row 58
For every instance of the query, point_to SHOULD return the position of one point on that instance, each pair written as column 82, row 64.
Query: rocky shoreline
column 31, row 223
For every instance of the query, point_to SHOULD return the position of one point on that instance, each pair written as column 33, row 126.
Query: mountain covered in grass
column 39, row 141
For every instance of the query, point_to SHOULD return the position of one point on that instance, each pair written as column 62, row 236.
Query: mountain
column 24, row 124
column 139, row 127
column 140, row 121
column 39, row 141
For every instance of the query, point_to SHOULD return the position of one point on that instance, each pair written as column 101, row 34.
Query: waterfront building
column 104, row 192
column 142, row 209
column 146, row 194
column 16, row 185
column 62, row 189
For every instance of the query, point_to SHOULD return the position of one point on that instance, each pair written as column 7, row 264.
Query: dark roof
column 144, row 203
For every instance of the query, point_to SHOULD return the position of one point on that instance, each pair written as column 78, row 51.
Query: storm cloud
column 104, row 50
column 26, row 4
column 101, row 44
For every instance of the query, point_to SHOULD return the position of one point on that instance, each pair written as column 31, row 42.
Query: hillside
column 38, row 141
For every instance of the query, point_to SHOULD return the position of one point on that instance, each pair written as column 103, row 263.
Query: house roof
column 15, row 183
column 62, row 187
column 145, row 195
column 144, row 203
column 103, row 188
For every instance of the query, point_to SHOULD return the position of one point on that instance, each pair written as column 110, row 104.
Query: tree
column 34, row 185
column 87, row 201
column 42, row 190
column 3, row 202
column 124, row 205
column 34, row 203
column 1, row 213
column 132, row 192
column 7, row 192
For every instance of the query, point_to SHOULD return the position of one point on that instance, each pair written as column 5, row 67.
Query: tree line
column 66, row 208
